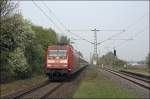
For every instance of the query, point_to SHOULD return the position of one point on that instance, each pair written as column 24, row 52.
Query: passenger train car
column 62, row 60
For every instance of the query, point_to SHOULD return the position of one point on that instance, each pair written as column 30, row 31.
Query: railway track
column 41, row 90
column 142, row 77
column 44, row 91
column 22, row 92
column 145, row 83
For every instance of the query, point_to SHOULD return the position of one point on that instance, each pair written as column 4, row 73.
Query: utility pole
column 95, row 55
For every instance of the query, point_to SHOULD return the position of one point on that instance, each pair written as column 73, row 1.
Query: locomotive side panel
column 77, row 64
column 70, row 59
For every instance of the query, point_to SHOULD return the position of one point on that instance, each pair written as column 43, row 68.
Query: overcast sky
column 133, row 16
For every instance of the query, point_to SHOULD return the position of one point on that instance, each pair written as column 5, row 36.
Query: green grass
column 95, row 85
column 19, row 84
column 144, row 70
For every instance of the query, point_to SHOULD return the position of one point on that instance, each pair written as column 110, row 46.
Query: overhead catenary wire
column 136, row 21
column 76, row 34
column 133, row 38
column 111, row 37
column 50, row 11
column 98, row 30
column 128, row 27
column 47, row 16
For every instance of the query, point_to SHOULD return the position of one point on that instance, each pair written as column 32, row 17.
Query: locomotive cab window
column 62, row 52
column 52, row 53
column 57, row 53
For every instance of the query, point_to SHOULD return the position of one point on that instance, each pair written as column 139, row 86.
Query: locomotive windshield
column 52, row 53
column 62, row 52
column 57, row 52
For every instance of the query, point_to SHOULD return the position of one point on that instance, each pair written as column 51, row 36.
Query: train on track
column 62, row 61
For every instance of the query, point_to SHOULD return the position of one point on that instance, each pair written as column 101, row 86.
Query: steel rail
column 137, row 76
column 23, row 92
column 52, row 91
column 130, row 78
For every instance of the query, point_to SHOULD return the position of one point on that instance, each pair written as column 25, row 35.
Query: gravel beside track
column 140, row 91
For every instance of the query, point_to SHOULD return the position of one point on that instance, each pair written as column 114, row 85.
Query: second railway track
column 130, row 77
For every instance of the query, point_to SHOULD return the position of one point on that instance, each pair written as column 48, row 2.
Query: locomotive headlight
column 51, row 61
column 63, row 61
column 65, row 65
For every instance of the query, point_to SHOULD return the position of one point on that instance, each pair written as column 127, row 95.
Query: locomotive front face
column 57, row 59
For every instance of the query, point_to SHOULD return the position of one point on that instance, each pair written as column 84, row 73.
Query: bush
column 18, row 64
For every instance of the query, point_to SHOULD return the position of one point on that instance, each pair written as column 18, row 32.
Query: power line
column 122, row 39
column 124, row 29
column 111, row 37
column 127, row 40
column 54, row 22
column 46, row 15
column 136, row 21
column 80, row 37
column 50, row 11
column 99, row 30
column 137, row 34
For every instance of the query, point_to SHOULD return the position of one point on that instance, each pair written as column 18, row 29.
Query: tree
column 106, row 59
column 7, row 8
column 109, row 59
column 15, row 32
column 22, row 44
column 64, row 40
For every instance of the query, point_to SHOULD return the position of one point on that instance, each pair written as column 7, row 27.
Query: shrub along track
column 50, row 89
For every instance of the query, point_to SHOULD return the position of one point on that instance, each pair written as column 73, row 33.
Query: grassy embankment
column 143, row 70
column 95, row 85
column 20, row 84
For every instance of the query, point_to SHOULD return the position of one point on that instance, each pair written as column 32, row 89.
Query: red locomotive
column 62, row 60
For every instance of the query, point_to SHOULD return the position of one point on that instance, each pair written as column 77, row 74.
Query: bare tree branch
column 7, row 7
